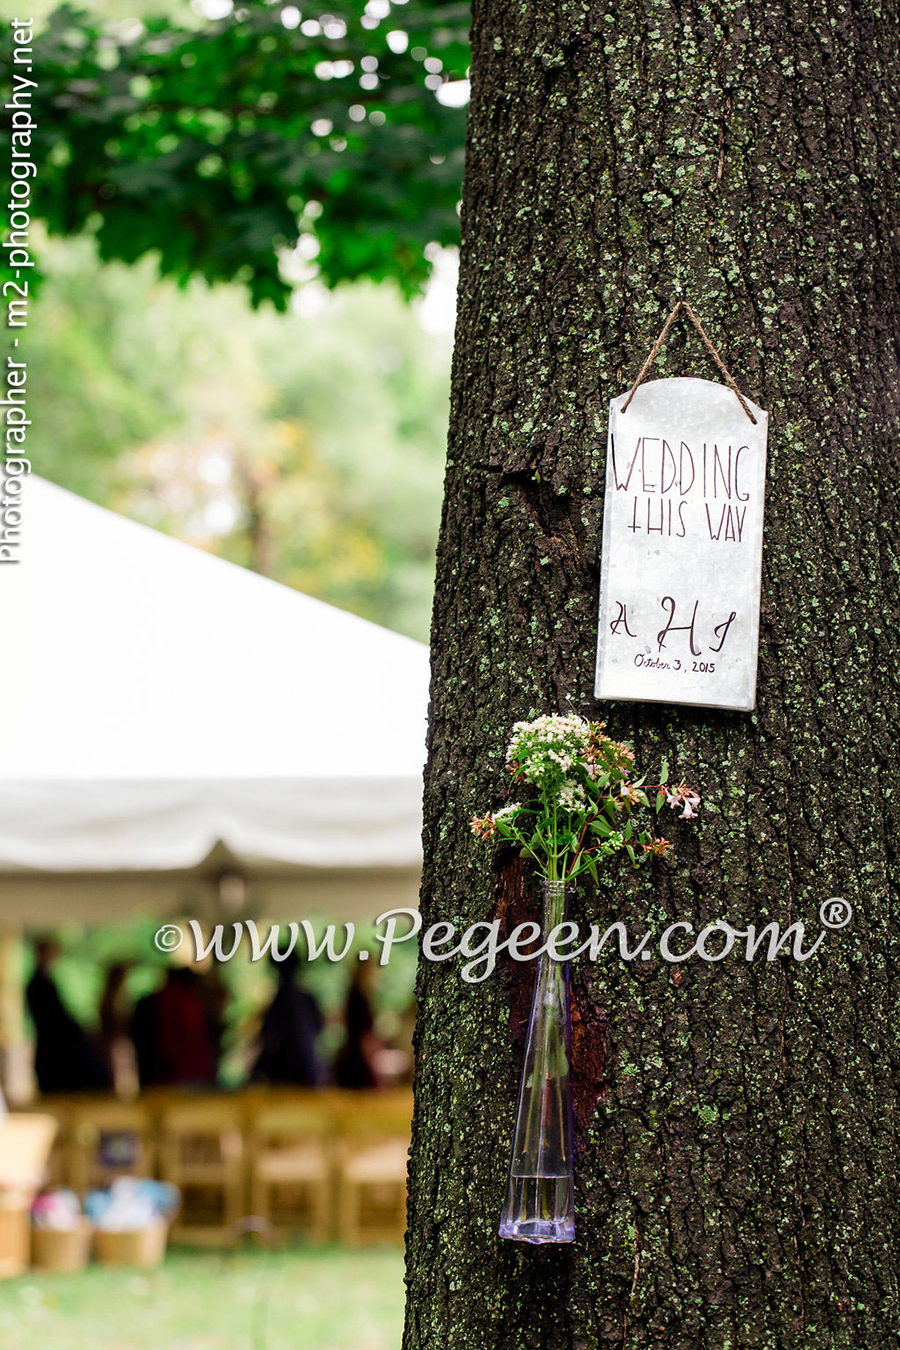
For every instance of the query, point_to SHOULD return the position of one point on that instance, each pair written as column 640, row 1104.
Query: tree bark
column 736, row 1124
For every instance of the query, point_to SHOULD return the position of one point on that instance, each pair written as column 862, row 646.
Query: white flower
column 564, row 734
column 506, row 812
column 571, row 797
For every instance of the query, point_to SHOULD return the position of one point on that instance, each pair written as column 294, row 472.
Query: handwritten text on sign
column 682, row 547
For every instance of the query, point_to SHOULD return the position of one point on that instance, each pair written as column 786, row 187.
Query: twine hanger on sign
column 655, row 349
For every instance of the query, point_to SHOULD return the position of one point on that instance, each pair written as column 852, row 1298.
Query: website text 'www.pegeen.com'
column 482, row 943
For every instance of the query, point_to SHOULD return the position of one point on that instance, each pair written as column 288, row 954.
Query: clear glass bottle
column 540, row 1194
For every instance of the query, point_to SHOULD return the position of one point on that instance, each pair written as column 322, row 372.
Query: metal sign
column 682, row 547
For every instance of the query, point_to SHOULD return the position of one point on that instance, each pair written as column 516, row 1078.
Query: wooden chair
column 201, row 1152
column 373, row 1149
column 290, row 1163
column 60, row 1109
column 107, row 1138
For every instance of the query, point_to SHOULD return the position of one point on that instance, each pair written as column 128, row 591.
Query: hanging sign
column 682, row 546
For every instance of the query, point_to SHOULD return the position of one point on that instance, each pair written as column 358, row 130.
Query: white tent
column 170, row 718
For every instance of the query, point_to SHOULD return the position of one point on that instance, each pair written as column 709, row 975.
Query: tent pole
column 14, row 1066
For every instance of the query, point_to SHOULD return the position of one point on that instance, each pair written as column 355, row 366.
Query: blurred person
column 145, row 1041
column 355, row 1066
column 290, row 1029
column 64, row 1058
column 116, row 1045
column 171, row 1034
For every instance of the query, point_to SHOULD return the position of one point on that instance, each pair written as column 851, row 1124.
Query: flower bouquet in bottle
column 579, row 795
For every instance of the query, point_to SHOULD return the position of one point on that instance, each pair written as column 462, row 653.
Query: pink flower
column 685, row 797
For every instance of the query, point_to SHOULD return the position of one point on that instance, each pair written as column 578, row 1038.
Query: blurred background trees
column 291, row 417
column 308, row 446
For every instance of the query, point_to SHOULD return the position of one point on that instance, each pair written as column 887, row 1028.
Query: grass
column 314, row 1299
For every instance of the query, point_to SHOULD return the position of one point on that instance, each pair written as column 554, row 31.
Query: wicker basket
column 61, row 1248
column 142, row 1247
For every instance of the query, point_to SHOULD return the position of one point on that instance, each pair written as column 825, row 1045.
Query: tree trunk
column 736, row 1126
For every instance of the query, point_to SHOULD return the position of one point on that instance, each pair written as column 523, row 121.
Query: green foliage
column 578, row 785
column 218, row 145
column 308, row 446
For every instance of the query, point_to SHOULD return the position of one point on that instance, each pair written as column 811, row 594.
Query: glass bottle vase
column 539, row 1199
